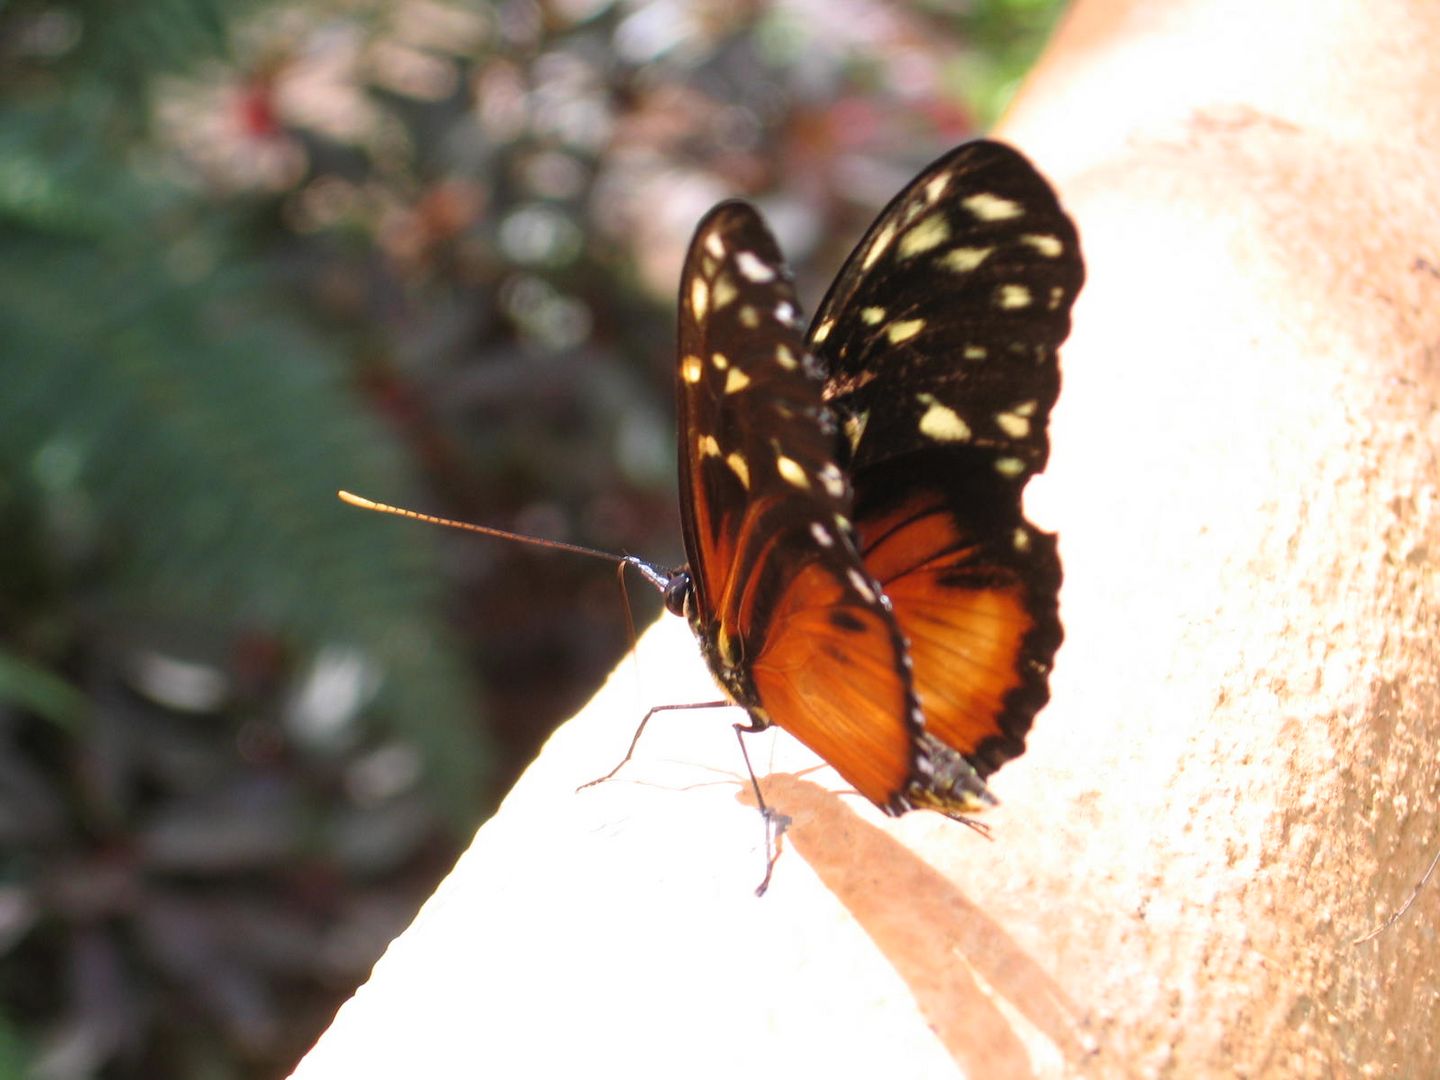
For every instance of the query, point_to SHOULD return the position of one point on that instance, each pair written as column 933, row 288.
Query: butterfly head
column 679, row 594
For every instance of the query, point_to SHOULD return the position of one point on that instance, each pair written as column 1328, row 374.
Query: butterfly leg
column 775, row 822
column 641, row 730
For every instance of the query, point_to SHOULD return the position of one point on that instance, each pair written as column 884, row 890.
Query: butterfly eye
column 678, row 592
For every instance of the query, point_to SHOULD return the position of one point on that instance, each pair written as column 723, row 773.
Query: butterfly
column 860, row 570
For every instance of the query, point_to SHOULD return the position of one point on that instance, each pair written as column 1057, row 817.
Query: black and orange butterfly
column 861, row 573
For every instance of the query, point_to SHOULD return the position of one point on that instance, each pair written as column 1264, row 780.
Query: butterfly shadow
column 955, row 959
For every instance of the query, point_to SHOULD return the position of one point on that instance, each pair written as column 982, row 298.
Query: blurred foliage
column 422, row 249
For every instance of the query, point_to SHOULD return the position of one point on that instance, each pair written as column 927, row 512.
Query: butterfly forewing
column 792, row 625
column 940, row 336
column 942, row 327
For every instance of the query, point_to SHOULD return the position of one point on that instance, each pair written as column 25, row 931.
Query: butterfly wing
column 940, row 337
column 791, row 623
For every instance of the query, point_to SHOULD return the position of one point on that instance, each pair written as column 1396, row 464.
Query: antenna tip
column 355, row 500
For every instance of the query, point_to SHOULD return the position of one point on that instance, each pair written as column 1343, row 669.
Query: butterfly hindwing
column 940, row 337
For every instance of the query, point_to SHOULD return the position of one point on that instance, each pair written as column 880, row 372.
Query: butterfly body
column 860, row 570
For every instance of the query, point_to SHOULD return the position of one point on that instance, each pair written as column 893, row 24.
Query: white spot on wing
column 715, row 244
column 691, row 369
column 878, row 245
column 791, row 471
column 725, row 291
column 821, row 534
column 1017, row 427
column 736, row 381
column 872, row 315
column 750, row 265
column 785, row 312
column 822, row 331
column 962, row 260
column 936, row 187
column 861, row 586
column 942, row 423
column 720, row 360
column 1013, row 297
column 1046, row 245
column 699, row 299
column 904, row 330
column 740, row 468
column 832, row 481
column 989, row 207
column 926, row 234
column 855, row 428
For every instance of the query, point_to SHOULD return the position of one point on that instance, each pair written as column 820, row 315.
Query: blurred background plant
column 424, row 249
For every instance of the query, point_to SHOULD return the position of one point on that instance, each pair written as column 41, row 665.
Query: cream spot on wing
column 785, row 358
column 926, row 234
column 1009, row 466
column 740, row 468
column 821, row 534
column 860, row 585
column 822, row 331
column 725, row 291
column 791, row 471
column 707, row 446
column 1026, row 408
column 832, row 481
column 1046, row 245
column 940, row 422
column 904, row 330
column 720, row 360
column 974, row 352
column 1013, row 297
column 1017, row 427
column 736, row 381
column 855, row 428
column 1056, row 295
column 1021, row 540
column 750, row 265
column 872, row 315
column 989, row 207
column 691, row 369
column 962, row 260
column 749, row 317
column 936, row 187
column 878, row 245
column 715, row 244
column 699, row 298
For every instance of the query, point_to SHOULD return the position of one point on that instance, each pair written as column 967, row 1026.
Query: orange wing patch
column 832, row 675
column 966, row 618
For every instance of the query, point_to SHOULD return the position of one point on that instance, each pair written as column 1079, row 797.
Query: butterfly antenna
column 502, row 534
column 651, row 573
